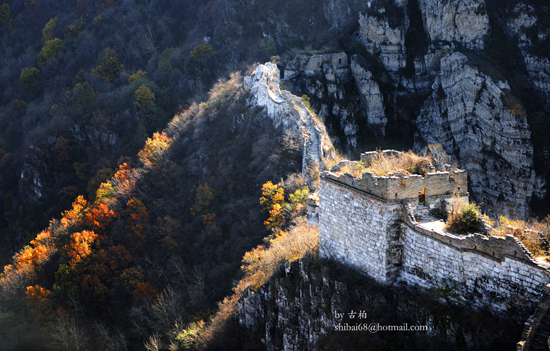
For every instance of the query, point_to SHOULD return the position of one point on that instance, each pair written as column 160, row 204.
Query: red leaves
column 100, row 217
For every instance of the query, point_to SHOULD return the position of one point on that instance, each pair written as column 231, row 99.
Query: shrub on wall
column 464, row 218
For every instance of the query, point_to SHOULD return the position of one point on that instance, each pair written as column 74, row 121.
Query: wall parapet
column 400, row 186
column 491, row 247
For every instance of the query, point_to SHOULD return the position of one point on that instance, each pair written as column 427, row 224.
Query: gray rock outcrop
column 381, row 38
column 474, row 118
column 524, row 25
column 465, row 21
column 372, row 99
column 324, row 77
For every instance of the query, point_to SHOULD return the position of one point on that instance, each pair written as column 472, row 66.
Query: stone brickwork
column 368, row 223
column 353, row 229
column 485, row 269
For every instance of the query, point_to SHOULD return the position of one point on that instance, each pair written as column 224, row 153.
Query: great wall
column 382, row 226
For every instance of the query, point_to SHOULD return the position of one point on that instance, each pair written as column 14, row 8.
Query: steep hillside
column 165, row 236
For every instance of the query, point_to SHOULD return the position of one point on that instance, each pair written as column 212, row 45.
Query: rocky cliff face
column 525, row 24
column 384, row 36
column 288, row 112
column 427, row 67
column 324, row 78
column 474, row 118
column 308, row 306
column 463, row 21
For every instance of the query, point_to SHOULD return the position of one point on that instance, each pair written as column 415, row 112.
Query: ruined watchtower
column 370, row 222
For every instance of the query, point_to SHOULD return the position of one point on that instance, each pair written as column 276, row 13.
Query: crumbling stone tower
column 369, row 223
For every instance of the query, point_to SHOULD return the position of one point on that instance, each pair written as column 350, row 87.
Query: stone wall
column 485, row 269
column 380, row 237
column 399, row 186
column 354, row 227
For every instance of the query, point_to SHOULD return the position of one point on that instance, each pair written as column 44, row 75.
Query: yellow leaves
column 261, row 263
column 105, row 190
column 272, row 201
column 144, row 97
column 276, row 217
column 80, row 246
column 154, row 149
column 75, row 214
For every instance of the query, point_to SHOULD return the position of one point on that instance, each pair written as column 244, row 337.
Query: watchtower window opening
column 422, row 196
column 396, row 195
column 340, row 60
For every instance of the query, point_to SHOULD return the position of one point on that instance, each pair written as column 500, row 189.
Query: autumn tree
column 80, row 246
column 201, row 53
column 154, row 149
column 138, row 75
column 99, row 217
column 40, row 300
column 29, row 76
column 50, row 50
column 75, row 214
column 137, row 223
column 109, row 68
column 144, row 97
column 73, row 30
column 272, row 201
column 101, row 176
column 124, row 181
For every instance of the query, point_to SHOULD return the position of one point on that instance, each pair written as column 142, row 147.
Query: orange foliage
column 27, row 262
column 80, row 246
column 39, row 298
column 74, row 215
column 98, row 218
column 154, row 149
column 208, row 219
column 125, row 179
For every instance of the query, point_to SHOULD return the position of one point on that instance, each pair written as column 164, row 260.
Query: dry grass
column 531, row 233
column 354, row 168
column 408, row 162
column 259, row 265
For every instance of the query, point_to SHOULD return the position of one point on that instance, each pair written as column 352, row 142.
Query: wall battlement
column 399, row 186
column 492, row 247
column 368, row 223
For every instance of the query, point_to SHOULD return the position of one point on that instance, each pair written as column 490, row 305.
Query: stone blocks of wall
column 399, row 186
column 358, row 228
column 486, row 274
column 354, row 227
